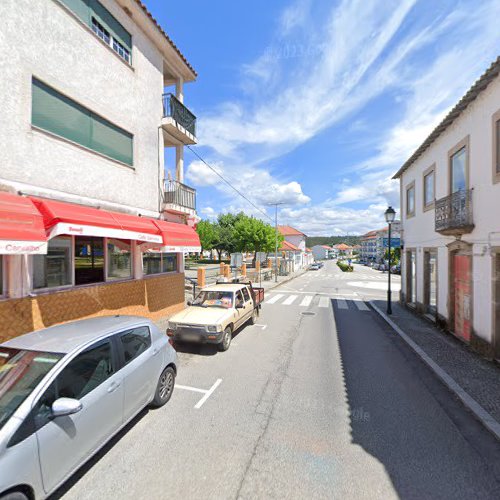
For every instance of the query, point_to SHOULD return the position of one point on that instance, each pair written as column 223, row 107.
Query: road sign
column 395, row 242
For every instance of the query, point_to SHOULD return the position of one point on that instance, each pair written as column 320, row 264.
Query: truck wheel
column 164, row 388
column 226, row 339
column 253, row 318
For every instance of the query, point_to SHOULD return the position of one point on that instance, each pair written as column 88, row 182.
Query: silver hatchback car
column 66, row 390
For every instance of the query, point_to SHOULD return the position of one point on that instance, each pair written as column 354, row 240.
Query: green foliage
column 254, row 235
column 346, row 268
column 332, row 240
column 395, row 256
column 208, row 233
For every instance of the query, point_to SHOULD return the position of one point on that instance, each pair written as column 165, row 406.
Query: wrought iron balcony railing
column 453, row 213
column 174, row 108
column 179, row 194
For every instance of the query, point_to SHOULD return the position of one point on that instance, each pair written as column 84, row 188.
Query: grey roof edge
column 481, row 84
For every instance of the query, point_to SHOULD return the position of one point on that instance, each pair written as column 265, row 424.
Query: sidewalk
column 473, row 379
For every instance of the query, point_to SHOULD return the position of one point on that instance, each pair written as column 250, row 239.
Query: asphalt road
column 319, row 400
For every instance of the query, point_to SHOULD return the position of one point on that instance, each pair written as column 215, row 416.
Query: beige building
column 450, row 199
column 85, row 117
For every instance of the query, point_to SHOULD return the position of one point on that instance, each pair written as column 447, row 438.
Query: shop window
column 89, row 260
column 119, row 259
column 156, row 262
column 53, row 269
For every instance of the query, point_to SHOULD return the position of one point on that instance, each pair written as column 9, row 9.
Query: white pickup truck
column 216, row 313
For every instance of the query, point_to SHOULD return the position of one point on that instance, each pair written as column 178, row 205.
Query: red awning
column 67, row 218
column 21, row 226
column 178, row 237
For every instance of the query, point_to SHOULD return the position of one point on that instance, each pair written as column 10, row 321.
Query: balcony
column 179, row 198
column 178, row 123
column 453, row 214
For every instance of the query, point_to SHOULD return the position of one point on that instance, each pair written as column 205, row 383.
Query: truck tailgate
column 259, row 295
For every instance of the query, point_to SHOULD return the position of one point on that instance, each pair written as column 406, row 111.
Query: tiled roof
column 169, row 40
column 487, row 77
column 289, row 231
column 343, row 246
column 286, row 246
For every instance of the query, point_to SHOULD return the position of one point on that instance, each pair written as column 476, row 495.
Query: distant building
column 374, row 243
column 321, row 252
column 295, row 246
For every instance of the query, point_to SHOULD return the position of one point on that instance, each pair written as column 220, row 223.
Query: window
column 135, row 342
column 119, row 259
column 100, row 30
column 458, row 170
column 239, row 298
column 429, row 183
column 497, row 143
column 430, row 280
column 89, row 260
column 157, row 262
column 60, row 115
column 410, row 200
column 411, row 276
column 86, row 372
column 53, row 269
column 103, row 24
column 246, row 295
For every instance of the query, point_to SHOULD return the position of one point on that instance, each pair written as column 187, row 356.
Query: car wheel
column 253, row 318
column 164, row 388
column 226, row 339
column 14, row 495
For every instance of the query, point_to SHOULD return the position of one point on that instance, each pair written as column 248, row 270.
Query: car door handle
column 155, row 351
column 113, row 386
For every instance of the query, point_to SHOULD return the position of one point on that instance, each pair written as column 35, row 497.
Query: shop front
column 94, row 263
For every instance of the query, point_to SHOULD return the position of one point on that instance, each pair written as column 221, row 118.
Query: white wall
column 476, row 122
column 40, row 38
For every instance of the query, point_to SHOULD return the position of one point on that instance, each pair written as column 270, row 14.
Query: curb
column 285, row 281
column 479, row 412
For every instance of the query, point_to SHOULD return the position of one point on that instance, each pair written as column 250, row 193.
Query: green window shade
column 60, row 115
column 110, row 23
column 111, row 140
column 79, row 7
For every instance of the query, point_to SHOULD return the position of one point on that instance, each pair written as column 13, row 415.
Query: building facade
column 450, row 194
column 295, row 243
column 85, row 122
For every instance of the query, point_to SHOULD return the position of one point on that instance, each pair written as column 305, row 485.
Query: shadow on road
column 404, row 418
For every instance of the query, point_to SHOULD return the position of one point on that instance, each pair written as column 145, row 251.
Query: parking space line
column 188, row 388
column 210, row 391
column 260, row 326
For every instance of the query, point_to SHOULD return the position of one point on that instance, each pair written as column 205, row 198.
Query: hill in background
column 332, row 240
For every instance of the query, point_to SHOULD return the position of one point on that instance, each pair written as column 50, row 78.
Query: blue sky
column 316, row 103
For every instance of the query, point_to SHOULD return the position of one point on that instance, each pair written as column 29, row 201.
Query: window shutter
column 80, row 8
column 111, row 140
column 118, row 32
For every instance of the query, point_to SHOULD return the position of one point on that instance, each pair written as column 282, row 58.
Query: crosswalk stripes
column 290, row 300
column 324, row 302
column 306, row 300
column 342, row 304
column 274, row 299
column 361, row 305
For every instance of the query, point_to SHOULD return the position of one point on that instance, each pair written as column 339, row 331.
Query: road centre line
column 210, row 391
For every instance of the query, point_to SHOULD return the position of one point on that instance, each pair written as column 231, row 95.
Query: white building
column 85, row 120
column 450, row 199
column 297, row 246
column 321, row 252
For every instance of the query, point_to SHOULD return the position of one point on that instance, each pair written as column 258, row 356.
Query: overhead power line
column 229, row 184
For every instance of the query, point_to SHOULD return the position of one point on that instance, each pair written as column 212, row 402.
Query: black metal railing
column 453, row 213
column 174, row 108
column 180, row 194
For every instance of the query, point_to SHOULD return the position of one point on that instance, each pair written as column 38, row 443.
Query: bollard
column 227, row 270
column 257, row 267
column 201, row 277
column 269, row 263
column 221, row 272
column 243, row 270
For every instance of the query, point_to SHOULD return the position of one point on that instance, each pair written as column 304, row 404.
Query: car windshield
column 214, row 298
column 20, row 372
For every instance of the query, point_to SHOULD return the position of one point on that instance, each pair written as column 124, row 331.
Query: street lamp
column 276, row 238
column 390, row 215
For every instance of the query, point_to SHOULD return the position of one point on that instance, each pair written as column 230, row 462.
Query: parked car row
column 65, row 391
column 316, row 266
column 396, row 269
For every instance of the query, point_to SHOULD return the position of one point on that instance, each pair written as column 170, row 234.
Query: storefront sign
column 22, row 247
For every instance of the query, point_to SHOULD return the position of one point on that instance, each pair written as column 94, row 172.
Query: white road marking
column 306, row 300
column 342, row 304
column 189, row 388
column 361, row 305
column 324, row 301
column 274, row 299
column 210, row 391
column 261, row 326
column 290, row 300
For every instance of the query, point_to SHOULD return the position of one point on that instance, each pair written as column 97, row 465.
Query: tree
column 225, row 233
column 395, row 256
column 207, row 231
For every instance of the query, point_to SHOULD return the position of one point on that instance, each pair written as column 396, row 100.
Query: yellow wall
column 154, row 298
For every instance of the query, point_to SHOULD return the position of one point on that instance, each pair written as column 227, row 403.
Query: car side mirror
column 189, row 303
column 63, row 407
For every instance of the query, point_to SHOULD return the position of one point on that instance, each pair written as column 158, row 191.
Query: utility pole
column 275, row 205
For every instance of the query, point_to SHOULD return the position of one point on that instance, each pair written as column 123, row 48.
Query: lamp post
column 390, row 215
column 276, row 238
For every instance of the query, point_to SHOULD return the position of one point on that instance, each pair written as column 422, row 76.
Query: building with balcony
column 450, row 198
column 295, row 245
column 90, row 223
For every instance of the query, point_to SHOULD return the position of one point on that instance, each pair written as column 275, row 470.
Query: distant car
column 314, row 267
column 320, row 264
column 66, row 390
